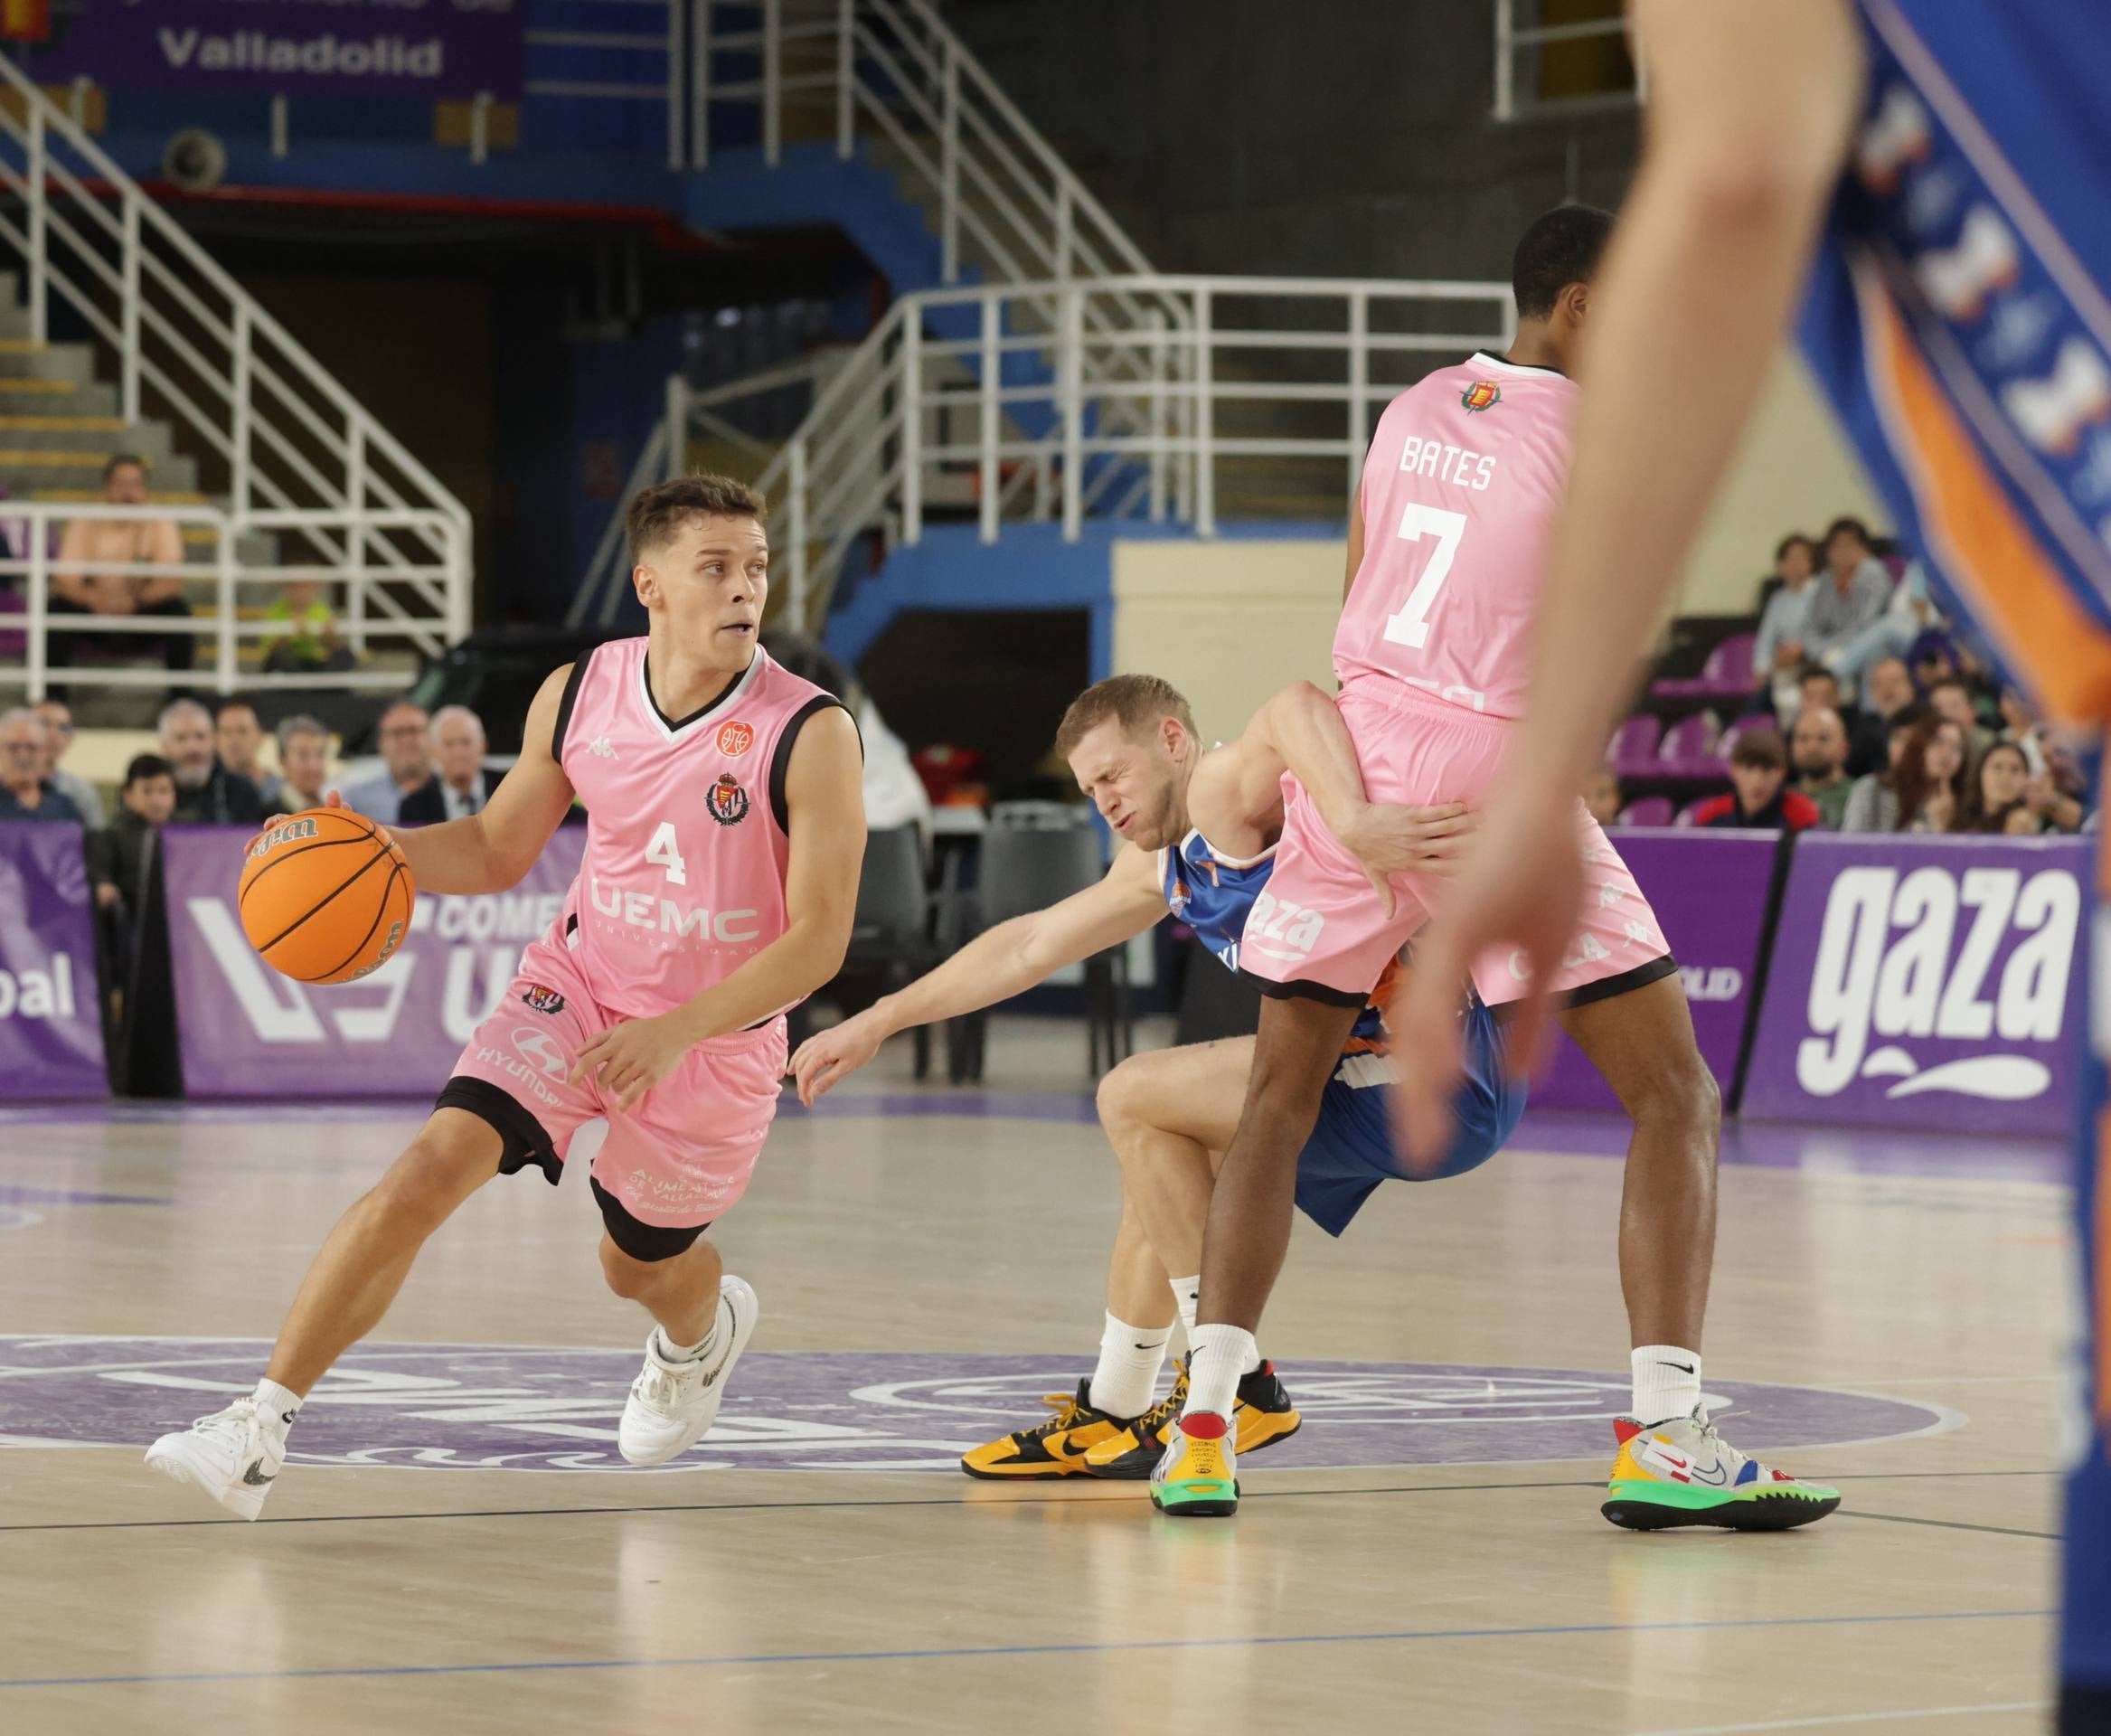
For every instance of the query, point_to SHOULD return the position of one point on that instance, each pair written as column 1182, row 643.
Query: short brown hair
column 1760, row 747
column 1136, row 702
column 657, row 513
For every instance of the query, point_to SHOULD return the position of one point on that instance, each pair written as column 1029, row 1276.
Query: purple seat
column 1688, row 748
column 1686, row 813
column 1633, row 748
column 1729, row 740
column 1651, row 810
column 1728, row 674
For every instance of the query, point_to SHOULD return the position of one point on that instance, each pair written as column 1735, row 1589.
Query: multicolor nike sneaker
column 1198, row 1477
column 1682, row 1472
column 1263, row 1416
column 1056, row 1447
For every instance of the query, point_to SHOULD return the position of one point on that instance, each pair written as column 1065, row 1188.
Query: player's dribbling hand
column 631, row 1057
column 1521, row 888
column 1386, row 839
column 828, row 1058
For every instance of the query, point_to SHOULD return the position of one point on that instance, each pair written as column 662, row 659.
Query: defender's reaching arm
column 997, row 963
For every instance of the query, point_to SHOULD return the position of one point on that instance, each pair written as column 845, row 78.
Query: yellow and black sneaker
column 1056, row 1447
column 1263, row 1416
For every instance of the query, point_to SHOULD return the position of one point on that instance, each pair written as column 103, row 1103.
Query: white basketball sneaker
column 234, row 1455
column 672, row 1405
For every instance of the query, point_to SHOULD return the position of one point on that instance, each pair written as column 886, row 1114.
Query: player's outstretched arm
column 824, row 815
column 1300, row 730
column 997, row 963
column 1751, row 107
column 493, row 850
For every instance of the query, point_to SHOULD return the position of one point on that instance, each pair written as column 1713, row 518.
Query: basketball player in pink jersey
column 1447, row 551
column 725, row 827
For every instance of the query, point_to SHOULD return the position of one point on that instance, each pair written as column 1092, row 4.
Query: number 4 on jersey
column 1410, row 625
column 662, row 850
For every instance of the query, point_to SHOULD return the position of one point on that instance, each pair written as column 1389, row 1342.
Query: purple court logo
column 494, row 1406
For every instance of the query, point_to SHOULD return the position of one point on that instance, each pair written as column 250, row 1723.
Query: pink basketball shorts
column 1318, row 929
column 684, row 1151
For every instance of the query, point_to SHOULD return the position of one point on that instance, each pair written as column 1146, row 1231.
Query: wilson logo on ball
column 287, row 833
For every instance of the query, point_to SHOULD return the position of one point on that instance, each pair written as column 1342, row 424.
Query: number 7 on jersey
column 1409, row 625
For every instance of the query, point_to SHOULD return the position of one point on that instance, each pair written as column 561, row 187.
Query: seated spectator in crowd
column 1887, row 689
column 460, row 786
column 1601, row 796
column 309, row 642
column 1758, row 776
column 1849, row 595
column 407, row 764
column 81, row 586
column 1818, row 689
column 1909, row 613
column 1924, row 790
column 1998, row 792
column 1932, row 658
column 1778, row 652
column 120, row 854
column 303, row 763
column 207, row 792
column 57, row 740
column 239, row 740
column 1951, row 697
column 1818, row 752
column 2021, row 724
column 26, row 793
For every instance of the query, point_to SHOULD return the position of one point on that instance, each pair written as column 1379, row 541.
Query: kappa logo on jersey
column 601, row 749
column 735, row 739
column 1974, row 959
column 1483, row 394
column 543, row 1000
column 278, row 835
column 727, row 801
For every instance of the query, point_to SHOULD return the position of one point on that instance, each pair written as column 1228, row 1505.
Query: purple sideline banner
column 50, row 1019
column 248, row 1031
column 1708, row 890
column 1927, row 983
column 294, row 48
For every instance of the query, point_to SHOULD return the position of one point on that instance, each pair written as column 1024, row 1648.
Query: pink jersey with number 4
column 683, row 877
column 1459, row 491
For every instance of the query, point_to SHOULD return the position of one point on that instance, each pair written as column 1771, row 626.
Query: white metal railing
column 647, row 42
column 423, row 607
column 191, row 344
column 1517, row 40
column 1259, row 403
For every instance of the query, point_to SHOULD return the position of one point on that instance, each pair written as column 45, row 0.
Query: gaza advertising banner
column 1927, row 983
column 289, row 47
column 50, row 1027
column 1708, row 891
column 248, row 1031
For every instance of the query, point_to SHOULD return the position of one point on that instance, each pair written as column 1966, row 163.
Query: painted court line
column 1079, row 1648
column 1836, row 1720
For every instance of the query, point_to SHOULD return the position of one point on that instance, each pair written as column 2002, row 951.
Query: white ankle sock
column 1667, row 1383
column 281, row 1402
column 1221, row 1354
column 1127, row 1374
column 1187, row 1295
column 674, row 1352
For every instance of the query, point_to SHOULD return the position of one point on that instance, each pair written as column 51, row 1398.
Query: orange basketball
column 326, row 898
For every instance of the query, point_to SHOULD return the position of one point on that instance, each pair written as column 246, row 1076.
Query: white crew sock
column 1187, row 1295
column 1219, row 1356
column 1667, row 1383
column 1127, row 1376
column 281, row 1402
column 670, row 1352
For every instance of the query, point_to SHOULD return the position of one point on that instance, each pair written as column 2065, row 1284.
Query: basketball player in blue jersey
column 1936, row 176
column 1198, row 833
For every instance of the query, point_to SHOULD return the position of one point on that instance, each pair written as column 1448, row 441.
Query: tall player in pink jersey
column 1447, row 553
column 725, row 826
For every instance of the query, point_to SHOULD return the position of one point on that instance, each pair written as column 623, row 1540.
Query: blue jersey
column 1958, row 317
column 1214, row 893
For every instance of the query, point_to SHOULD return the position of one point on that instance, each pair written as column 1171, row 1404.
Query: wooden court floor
column 454, row 1554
